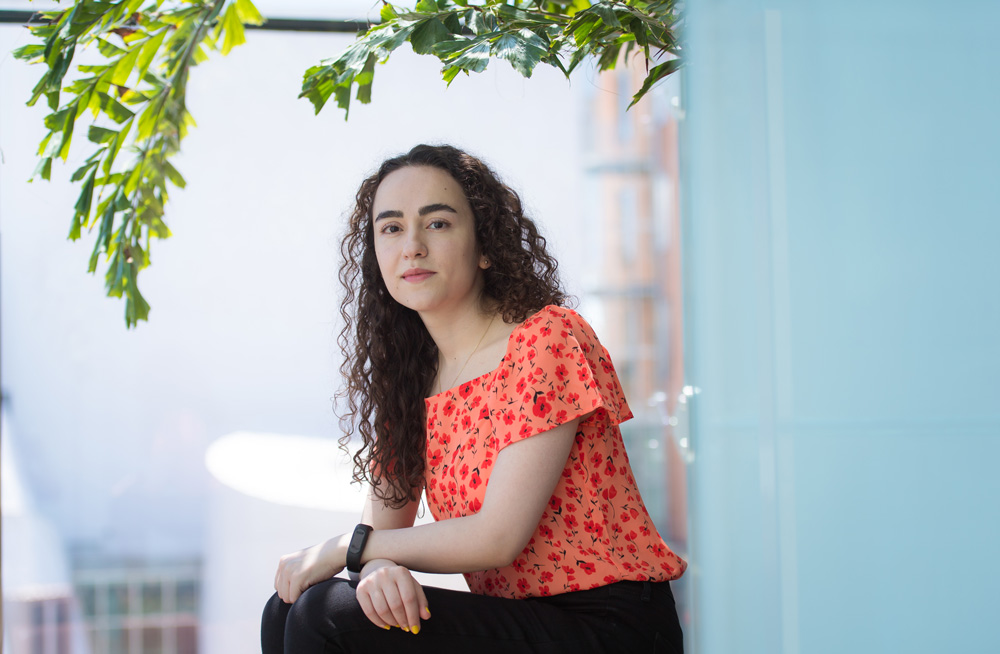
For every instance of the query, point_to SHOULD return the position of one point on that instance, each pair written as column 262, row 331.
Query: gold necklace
column 469, row 358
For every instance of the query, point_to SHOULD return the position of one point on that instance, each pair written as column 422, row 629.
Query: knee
column 323, row 612
column 272, row 625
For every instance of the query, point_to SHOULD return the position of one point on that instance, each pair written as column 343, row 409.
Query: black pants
column 630, row 617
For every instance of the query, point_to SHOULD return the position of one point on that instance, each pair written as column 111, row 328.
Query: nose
column 414, row 247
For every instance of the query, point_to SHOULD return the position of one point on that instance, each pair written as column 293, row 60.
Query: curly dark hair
column 390, row 360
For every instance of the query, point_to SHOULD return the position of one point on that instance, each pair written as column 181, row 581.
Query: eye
column 390, row 228
column 438, row 224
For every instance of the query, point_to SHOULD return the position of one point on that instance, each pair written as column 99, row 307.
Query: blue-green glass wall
column 842, row 303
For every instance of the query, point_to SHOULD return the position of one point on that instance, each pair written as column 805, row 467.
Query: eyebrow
column 423, row 211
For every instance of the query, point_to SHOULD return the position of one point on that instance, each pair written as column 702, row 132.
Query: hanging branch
column 136, row 102
column 464, row 37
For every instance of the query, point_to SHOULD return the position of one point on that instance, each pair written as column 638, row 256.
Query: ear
column 484, row 263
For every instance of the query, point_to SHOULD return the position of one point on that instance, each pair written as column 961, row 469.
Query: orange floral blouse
column 595, row 530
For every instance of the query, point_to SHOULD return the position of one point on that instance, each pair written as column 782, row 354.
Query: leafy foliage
column 136, row 98
column 465, row 36
column 136, row 102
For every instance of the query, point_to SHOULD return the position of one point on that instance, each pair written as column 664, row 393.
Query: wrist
column 336, row 549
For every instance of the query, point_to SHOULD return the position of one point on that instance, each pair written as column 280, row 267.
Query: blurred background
column 789, row 250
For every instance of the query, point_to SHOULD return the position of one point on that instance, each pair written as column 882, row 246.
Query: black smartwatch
column 358, row 541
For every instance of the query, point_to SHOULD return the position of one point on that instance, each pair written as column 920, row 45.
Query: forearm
column 456, row 545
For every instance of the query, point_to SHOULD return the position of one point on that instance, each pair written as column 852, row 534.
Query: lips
column 417, row 274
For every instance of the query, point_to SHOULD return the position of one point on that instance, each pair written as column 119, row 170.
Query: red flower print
column 476, row 401
column 557, row 351
column 465, row 390
column 634, row 513
column 595, row 480
column 644, row 530
column 608, row 368
column 596, row 459
column 489, row 583
column 475, row 505
column 542, row 407
column 583, row 373
column 610, row 579
column 434, row 459
column 522, row 585
column 545, row 532
column 525, row 430
column 574, row 587
column 609, row 493
column 449, row 408
column 609, row 469
column 573, row 397
column 544, row 591
column 463, row 491
column 631, row 548
column 466, row 422
column 561, row 372
column 474, row 481
column 630, row 536
column 593, row 527
column 464, row 472
column 588, row 567
column 570, row 521
column 561, row 417
column 554, row 557
column 669, row 569
column 452, row 487
column 567, row 569
column 521, row 385
column 519, row 564
column 545, row 576
column 555, row 503
column 546, row 330
column 531, row 354
column 659, row 550
column 508, row 417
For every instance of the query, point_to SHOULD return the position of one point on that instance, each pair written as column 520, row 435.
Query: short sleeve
column 555, row 371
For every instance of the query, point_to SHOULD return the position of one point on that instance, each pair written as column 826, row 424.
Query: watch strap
column 357, row 546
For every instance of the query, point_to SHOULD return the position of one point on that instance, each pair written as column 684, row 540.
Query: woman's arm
column 523, row 479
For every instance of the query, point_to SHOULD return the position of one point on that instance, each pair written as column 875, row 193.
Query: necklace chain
column 469, row 358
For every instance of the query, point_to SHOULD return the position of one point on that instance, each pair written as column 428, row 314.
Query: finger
column 395, row 604
column 411, row 604
column 381, row 607
column 369, row 610
column 425, row 611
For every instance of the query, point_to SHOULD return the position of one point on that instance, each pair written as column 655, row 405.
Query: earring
column 485, row 264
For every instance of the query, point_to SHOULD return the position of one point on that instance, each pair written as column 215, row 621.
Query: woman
column 522, row 463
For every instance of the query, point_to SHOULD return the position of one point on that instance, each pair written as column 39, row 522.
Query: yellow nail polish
column 387, row 627
column 416, row 630
column 428, row 611
column 406, row 629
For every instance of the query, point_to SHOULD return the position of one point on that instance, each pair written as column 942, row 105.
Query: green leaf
column 44, row 169
column 233, row 28
column 108, row 49
column 248, row 13
column 67, row 133
column 427, row 34
column 474, row 58
column 173, row 175
column 82, row 171
column 148, row 51
column 125, row 66
column 83, row 204
column 364, row 80
column 606, row 14
column 388, row 13
column 29, row 52
column 523, row 49
column 100, row 135
column 655, row 74
column 114, row 110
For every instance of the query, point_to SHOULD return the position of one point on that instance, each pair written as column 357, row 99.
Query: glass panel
column 87, row 595
column 118, row 599
column 117, row 641
column 187, row 640
column 152, row 598
column 187, row 597
column 152, row 640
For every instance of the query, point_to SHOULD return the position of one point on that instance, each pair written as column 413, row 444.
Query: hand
column 305, row 568
column 391, row 597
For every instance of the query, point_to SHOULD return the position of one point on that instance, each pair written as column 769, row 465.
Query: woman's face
column 425, row 241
